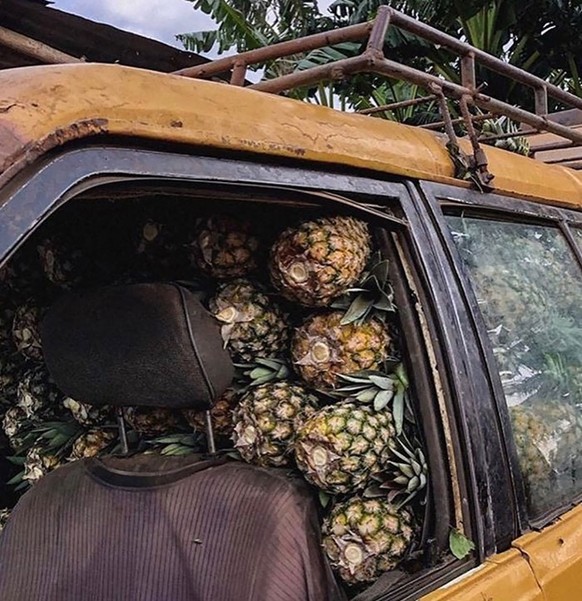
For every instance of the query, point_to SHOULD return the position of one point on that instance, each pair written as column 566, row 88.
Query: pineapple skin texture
column 363, row 538
column 342, row 446
column 317, row 261
column 266, row 422
column 225, row 247
column 252, row 325
column 350, row 348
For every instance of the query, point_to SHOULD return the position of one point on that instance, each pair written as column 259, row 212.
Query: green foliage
column 540, row 36
column 459, row 544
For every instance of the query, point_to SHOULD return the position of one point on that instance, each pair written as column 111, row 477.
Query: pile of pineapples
column 309, row 320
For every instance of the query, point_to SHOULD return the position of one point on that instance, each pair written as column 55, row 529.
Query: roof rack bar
column 267, row 53
column 541, row 100
column 475, row 118
column 488, row 60
column 468, row 78
column 397, row 105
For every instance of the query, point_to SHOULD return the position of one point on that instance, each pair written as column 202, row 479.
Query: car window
column 529, row 289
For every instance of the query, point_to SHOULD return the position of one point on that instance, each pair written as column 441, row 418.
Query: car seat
column 150, row 527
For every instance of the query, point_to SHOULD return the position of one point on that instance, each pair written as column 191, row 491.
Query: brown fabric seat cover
column 154, row 529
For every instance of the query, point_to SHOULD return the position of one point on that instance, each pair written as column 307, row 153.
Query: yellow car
column 487, row 275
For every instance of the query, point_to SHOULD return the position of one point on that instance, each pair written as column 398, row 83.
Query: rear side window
column 529, row 287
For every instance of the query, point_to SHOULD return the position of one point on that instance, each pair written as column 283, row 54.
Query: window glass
column 529, row 288
column 578, row 235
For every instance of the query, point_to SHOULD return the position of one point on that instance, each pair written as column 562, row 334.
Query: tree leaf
column 324, row 498
column 459, row 544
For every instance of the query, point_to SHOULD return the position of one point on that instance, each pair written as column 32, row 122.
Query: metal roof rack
column 373, row 60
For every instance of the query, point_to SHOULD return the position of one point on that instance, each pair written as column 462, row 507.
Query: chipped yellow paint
column 555, row 556
column 504, row 577
column 544, row 566
column 44, row 107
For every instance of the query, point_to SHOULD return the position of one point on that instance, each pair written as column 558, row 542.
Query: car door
column 519, row 266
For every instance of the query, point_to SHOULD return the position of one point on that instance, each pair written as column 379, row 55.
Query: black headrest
column 139, row 344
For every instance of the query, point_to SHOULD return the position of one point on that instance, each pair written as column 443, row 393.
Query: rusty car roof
column 48, row 106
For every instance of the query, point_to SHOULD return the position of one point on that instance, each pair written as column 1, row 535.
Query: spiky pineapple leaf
column 324, row 498
column 398, row 405
column 459, row 544
column 382, row 399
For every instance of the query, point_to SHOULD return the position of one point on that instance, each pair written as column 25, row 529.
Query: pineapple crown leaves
column 406, row 474
column 261, row 371
column 176, row 444
column 372, row 296
column 378, row 388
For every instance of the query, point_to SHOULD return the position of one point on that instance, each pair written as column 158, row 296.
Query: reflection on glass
column 529, row 288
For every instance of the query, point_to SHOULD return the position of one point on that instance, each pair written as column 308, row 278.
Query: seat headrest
column 140, row 344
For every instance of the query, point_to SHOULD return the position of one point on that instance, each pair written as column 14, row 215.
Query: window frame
column 46, row 185
column 440, row 199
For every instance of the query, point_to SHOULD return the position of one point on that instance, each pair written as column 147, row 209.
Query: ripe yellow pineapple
column 252, row 324
column 322, row 348
column 318, row 261
column 340, row 447
column 267, row 419
column 363, row 538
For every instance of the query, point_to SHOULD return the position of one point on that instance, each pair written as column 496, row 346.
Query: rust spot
column 24, row 155
column 6, row 108
column 176, row 123
column 561, row 541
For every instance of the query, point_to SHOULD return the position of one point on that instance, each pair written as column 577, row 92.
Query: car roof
column 48, row 106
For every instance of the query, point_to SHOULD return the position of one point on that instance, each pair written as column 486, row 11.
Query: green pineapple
column 252, row 325
column 363, row 538
column 323, row 347
column 342, row 446
column 225, row 247
column 266, row 421
column 319, row 260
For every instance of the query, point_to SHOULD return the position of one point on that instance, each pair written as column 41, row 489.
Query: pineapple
column 221, row 415
column 63, row 265
column 14, row 424
column 4, row 515
column 547, row 435
column 87, row 415
column 37, row 463
column 92, row 443
column 37, row 393
column 26, row 331
column 225, row 247
column 153, row 421
column 266, row 421
column 341, row 446
column 252, row 325
column 318, row 261
column 363, row 538
column 322, row 348
column 10, row 367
